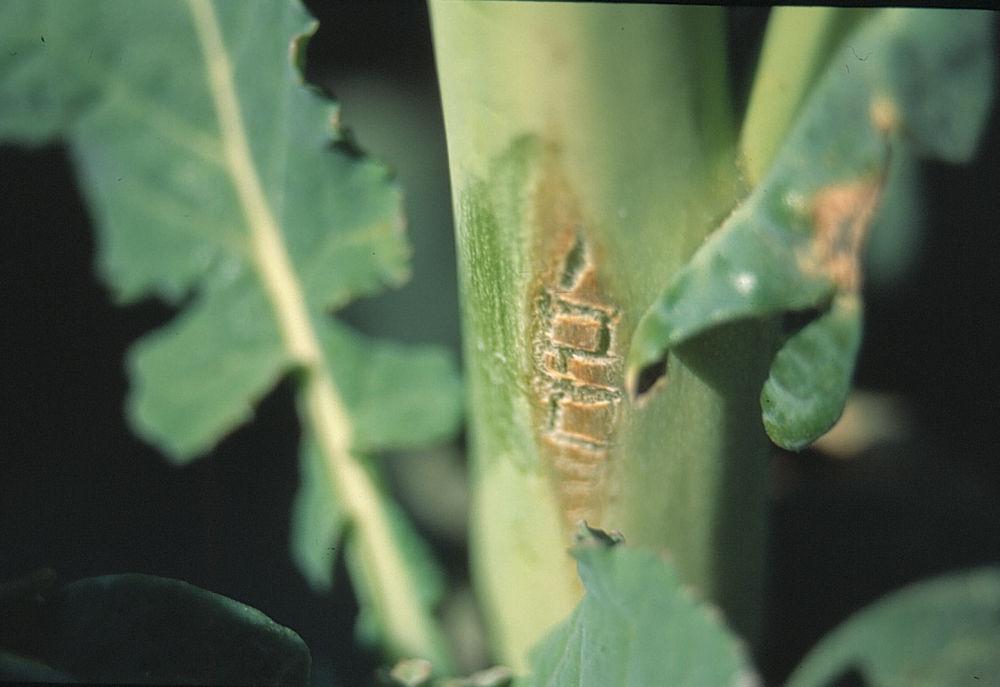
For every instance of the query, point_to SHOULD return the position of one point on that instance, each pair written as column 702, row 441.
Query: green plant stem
column 797, row 45
column 609, row 126
column 409, row 630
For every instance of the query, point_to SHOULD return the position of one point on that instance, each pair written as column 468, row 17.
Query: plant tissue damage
column 577, row 364
column 842, row 214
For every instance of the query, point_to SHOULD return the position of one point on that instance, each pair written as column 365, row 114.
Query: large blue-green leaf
column 637, row 625
column 220, row 182
column 943, row 632
column 906, row 82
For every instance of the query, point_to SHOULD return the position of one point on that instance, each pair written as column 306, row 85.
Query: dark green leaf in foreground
column 216, row 182
column 140, row 629
column 637, row 626
column 16, row 669
column 906, row 82
column 941, row 633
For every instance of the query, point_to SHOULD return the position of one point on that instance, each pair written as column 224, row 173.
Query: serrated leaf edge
column 409, row 629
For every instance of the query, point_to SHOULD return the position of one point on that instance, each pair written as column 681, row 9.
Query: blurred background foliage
column 904, row 488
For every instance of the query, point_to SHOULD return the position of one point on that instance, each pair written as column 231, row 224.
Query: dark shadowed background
column 80, row 493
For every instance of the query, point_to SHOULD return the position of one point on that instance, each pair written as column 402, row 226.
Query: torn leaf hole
column 648, row 378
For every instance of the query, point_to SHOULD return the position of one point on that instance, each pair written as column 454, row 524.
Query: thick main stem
column 592, row 150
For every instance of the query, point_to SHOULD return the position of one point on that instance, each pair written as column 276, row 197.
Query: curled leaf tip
column 642, row 381
column 646, row 365
column 811, row 376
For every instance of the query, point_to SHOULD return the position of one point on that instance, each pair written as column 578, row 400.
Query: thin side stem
column 797, row 45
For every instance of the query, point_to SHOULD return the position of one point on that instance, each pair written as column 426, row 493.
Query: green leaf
column 811, row 376
column 637, row 625
column 145, row 629
column 18, row 669
column 36, row 100
column 397, row 396
column 219, row 182
column 906, row 81
column 939, row 633
column 898, row 226
column 317, row 520
column 200, row 376
column 428, row 582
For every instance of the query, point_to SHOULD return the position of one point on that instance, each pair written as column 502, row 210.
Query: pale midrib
column 407, row 625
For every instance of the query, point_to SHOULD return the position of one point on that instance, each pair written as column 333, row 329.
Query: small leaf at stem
column 146, row 629
column 811, row 375
column 637, row 626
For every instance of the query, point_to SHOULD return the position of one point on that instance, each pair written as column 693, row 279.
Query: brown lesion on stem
column 577, row 366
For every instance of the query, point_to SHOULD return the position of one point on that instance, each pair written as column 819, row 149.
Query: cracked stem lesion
column 408, row 628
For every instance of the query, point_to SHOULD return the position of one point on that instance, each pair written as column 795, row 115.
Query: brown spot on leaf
column 842, row 214
column 884, row 115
